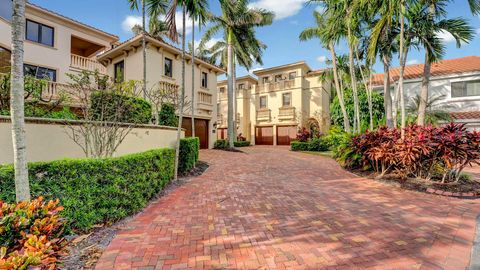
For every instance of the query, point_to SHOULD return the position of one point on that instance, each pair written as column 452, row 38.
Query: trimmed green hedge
column 189, row 152
column 220, row 144
column 318, row 145
column 299, row 146
column 241, row 144
column 136, row 110
column 95, row 191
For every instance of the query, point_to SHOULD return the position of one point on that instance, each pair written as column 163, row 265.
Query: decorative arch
column 313, row 127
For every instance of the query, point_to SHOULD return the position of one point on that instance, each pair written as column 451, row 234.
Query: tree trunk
column 354, row 88
column 346, row 121
column 193, row 78
column 387, row 95
column 368, row 89
column 403, row 54
column 144, row 51
column 422, row 106
column 22, row 188
column 234, row 78
column 395, row 106
column 230, row 91
column 182, row 99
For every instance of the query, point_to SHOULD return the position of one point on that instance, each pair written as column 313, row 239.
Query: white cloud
column 322, row 58
column 281, row 8
column 179, row 22
column 445, row 36
column 321, row 9
column 130, row 21
column 413, row 62
column 478, row 30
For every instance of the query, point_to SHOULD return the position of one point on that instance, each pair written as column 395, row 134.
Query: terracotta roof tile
column 465, row 115
column 441, row 68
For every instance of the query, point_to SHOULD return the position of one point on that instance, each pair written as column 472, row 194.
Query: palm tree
column 324, row 33
column 427, row 35
column 237, row 22
column 134, row 6
column 436, row 111
column 22, row 188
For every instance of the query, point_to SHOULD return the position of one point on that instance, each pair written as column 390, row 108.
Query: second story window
column 39, row 33
column 287, row 99
column 465, row 89
column 292, row 75
column 42, row 73
column 278, row 77
column 222, row 90
column 241, row 86
column 263, row 102
column 119, row 71
column 168, row 67
column 5, row 56
column 204, row 80
column 6, row 9
column 265, row 79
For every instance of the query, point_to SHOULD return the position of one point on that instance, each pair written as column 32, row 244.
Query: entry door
column 221, row 133
column 201, row 130
column 285, row 134
column 264, row 135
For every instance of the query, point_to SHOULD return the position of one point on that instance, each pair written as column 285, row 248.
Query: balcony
column 264, row 115
column 286, row 113
column 88, row 64
column 276, row 86
column 205, row 101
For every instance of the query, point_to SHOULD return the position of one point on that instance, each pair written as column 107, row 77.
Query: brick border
column 466, row 195
column 475, row 254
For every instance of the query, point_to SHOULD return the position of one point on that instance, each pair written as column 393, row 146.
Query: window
column 465, row 89
column 278, row 77
column 241, row 86
column 263, row 102
column 39, row 33
column 287, row 99
column 168, row 67
column 5, row 56
column 119, row 71
column 6, row 9
column 265, row 79
column 292, row 75
column 204, row 80
column 40, row 72
column 222, row 90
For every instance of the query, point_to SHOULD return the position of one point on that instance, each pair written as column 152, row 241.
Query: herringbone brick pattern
column 269, row 208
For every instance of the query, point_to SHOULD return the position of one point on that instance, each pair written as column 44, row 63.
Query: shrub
column 189, row 153
column 241, row 143
column 95, row 191
column 335, row 137
column 105, row 106
column 299, row 146
column 318, row 144
column 31, row 234
column 167, row 116
column 220, row 144
column 303, row 135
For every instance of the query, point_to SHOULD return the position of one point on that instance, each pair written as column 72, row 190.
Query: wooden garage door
column 221, row 133
column 201, row 130
column 285, row 134
column 264, row 135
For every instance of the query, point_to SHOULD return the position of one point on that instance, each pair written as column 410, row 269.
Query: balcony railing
column 264, row 115
column 205, row 101
column 84, row 63
column 286, row 113
column 276, row 86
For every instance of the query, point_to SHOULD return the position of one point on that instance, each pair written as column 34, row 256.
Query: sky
column 281, row 38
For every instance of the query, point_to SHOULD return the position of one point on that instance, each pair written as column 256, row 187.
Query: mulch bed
column 85, row 250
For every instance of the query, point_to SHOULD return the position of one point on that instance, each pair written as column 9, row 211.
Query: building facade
column 270, row 109
column 455, row 83
column 164, row 69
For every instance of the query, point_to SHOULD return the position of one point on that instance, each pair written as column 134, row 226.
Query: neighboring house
column 164, row 69
column 271, row 109
column 457, row 80
column 54, row 45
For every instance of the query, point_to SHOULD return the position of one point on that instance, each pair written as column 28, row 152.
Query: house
column 270, row 109
column 54, row 45
column 164, row 69
column 455, row 81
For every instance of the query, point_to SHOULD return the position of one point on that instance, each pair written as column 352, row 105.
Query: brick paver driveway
column 269, row 208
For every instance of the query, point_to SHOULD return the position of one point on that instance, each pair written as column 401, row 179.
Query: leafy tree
column 167, row 116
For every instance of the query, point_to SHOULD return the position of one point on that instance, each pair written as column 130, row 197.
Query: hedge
column 241, row 143
column 95, row 191
column 299, row 146
column 318, row 145
column 167, row 116
column 104, row 106
column 189, row 152
column 220, row 144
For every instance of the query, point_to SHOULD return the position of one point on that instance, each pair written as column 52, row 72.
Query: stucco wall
column 47, row 141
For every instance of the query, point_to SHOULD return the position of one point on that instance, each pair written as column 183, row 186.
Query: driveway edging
column 475, row 255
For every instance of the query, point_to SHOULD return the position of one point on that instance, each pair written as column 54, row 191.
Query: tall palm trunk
column 234, row 78
column 193, row 78
column 338, row 88
column 368, row 88
column 353, row 76
column 230, row 91
column 182, row 98
column 22, row 189
column 403, row 53
column 144, row 51
column 387, row 95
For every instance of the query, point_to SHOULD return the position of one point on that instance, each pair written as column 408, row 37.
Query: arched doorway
column 313, row 127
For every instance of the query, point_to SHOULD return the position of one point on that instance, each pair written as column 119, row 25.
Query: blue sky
column 281, row 37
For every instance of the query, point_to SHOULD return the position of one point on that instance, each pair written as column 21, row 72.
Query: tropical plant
column 437, row 110
column 238, row 23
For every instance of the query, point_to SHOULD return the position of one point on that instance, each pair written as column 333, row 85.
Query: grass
column 323, row 154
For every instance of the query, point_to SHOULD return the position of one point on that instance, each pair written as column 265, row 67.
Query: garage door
column 201, row 130
column 285, row 134
column 264, row 135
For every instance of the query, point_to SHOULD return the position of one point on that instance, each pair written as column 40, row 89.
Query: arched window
column 5, row 56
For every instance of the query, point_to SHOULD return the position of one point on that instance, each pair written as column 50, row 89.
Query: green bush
column 189, row 151
column 220, row 144
column 95, row 191
column 299, row 146
column 110, row 106
column 241, row 143
column 167, row 116
column 336, row 136
column 318, row 145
